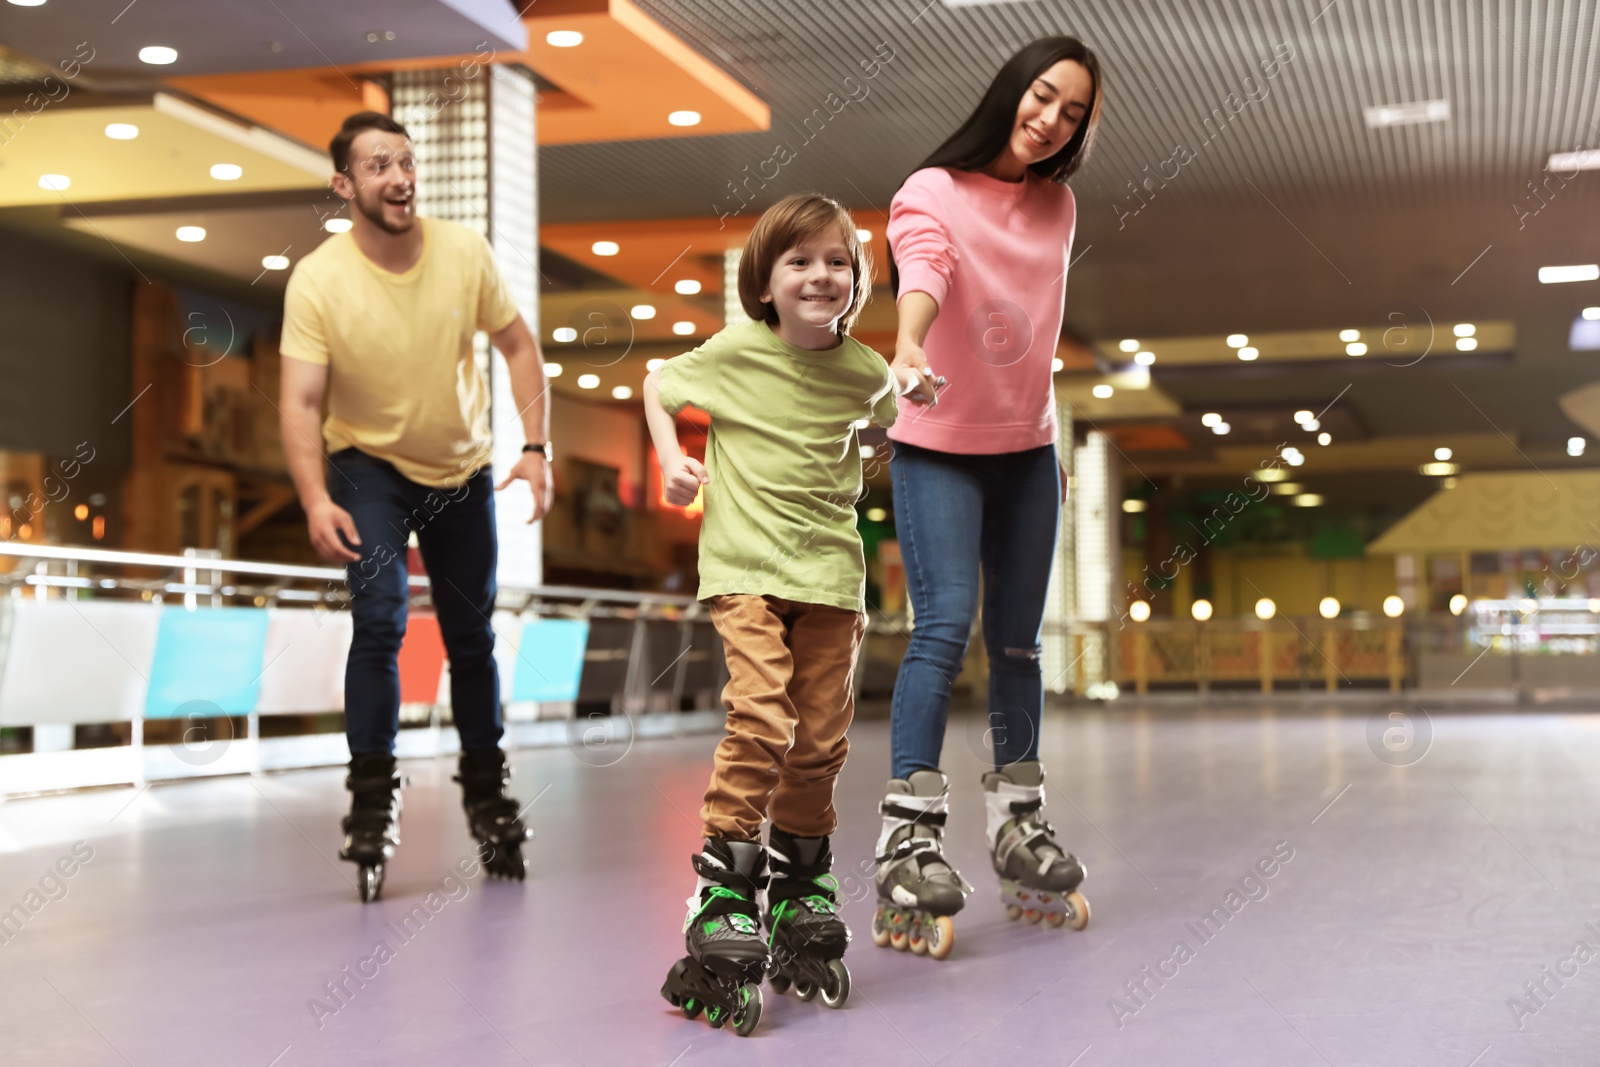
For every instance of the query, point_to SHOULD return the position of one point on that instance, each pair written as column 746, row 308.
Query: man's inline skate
column 721, row 976
column 493, row 818
column 371, row 830
column 806, row 935
column 1038, row 879
column 918, row 889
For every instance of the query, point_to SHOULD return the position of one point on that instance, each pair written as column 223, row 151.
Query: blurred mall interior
column 1328, row 402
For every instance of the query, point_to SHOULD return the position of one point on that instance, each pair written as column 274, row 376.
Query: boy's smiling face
column 811, row 288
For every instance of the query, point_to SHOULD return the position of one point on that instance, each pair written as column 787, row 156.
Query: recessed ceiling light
column 28, row 3
column 1560, row 162
column 1581, row 272
column 1303, row 416
column 1311, row 425
column 1249, row 353
column 686, row 287
column 158, row 55
column 1102, row 392
column 191, row 234
column 1349, row 335
column 1308, row 500
column 643, row 311
column 1442, row 454
column 565, row 334
column 876, row 514
column 683, row 329
column 863, row 235
column 684, row 118
column 1128, row 345
column 1210, row 418
column 1324, row 438
column 54, row 182
column 1271, row 474
column 868, row 451
column 1144, row 357
column 1294, row 459
column 621, row 392
column 1465, row 329
column 1237, row 340
column 122, row 131
column 553, row 370
column 275, row 262
column 337, row 225
column 1466, row 344
column 1356, row 348
column 1221, row 428
column 1057, row 365
column 1134, row 507
column 563, row 38
column 227, row 172
column 1439, row 470
column 605, row 248
column 588, row 381
column 655, row 364
column 1591, row 313
column 1288, row 488
column 1410, row 114
column 1575, row 446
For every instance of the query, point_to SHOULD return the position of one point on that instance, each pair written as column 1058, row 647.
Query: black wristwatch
column 541, row 447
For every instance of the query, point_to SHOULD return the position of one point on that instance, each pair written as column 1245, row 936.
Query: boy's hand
column 683, row 478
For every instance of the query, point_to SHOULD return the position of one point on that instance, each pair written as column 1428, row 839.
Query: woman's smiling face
column 1051, row 111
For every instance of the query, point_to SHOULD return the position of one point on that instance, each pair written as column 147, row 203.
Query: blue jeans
column 455, row 531
column 959, row 516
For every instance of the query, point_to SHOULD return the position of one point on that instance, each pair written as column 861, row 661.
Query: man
column 381, row 320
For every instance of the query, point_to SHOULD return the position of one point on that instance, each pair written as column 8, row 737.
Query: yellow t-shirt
column 402, row 381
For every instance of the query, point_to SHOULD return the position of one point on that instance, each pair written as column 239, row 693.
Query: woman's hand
column 914, row 378
column 682, row 478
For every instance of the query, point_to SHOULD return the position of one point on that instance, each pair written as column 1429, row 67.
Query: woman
column 980, row 238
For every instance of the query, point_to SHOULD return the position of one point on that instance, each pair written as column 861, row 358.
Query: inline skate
column 918, row 889
column 806, row 935
column 371, row 830
column 721, row 975
column 493, row 818
column 1038, row 879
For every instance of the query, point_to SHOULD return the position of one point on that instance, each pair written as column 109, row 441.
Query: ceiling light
column 54, row 182
column 686, row 287
column 337, row 225
column 1221, row 428
column 28, row 3
column 1271, row 474
column 1128, row 345
column 275, row 262
column 684, row 118
column 1442, row 454
column 868, row 451
column 1247, row 353
column 1575, row 446
column 1439, row 470
column 1591, row 313
column 1466, row 344
column 119, row 131
column 1056, row 365
column 563, row 38
column 863, row 235
column 227, row 172
column 1144, row 358
column 1134, row 507
column 655, row 364
column 605, row 248
column 565, row 334
column 1294, row 459
column 1349, row 335
column 191, row 234
column 1210, row 418
column 1307, row 500
column 1139, row 610
column 1383, row 115
column 158, row 55
column 1582, row 272
column 1561, row 162
column 1102, row 392
column 553, row 370
column 1465, row 329
column 1265, row 609
column 1302, row 416
column 1311, row 425
column 683, row 329
column 588, row 381
column 1328, row 607
column 1324, row 438
column 1393, row 606
column 1288, row 489
column 643, row 311
column 1458, row 604
column 1356, row 348
column 621, row 392
column 1201, row 610
column 1237, row 340
column 876, row 514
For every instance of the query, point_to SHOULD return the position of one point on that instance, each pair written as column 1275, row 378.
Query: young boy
column 782, row 571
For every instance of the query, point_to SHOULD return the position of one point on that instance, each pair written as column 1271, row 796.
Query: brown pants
column 790, row 697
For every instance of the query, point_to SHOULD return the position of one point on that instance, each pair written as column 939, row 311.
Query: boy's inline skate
column 721, row 975
column 371, row 830
column 1038, row 879
column 918, row 889
column 806, row 935
column 493, row 818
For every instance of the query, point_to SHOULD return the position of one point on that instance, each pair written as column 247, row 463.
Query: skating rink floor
column 1441, row 911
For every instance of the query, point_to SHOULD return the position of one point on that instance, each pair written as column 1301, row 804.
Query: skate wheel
column 805, row 990
column 899, row 939
column 748, row 1017
column 941, row 937
column 369, row 882
column 1013, row 912
column 880, row 928
column 1055, row 919
column 1080, row 910
column 837, row 990
column 919, row 943
column 1033, row 916
column 779, row 983
column 692, row 1007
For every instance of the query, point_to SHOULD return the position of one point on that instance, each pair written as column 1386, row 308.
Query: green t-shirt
column 783, row 460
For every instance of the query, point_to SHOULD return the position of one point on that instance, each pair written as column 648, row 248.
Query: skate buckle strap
column 1020, row 808
column 1025, row 832
column 913, row 815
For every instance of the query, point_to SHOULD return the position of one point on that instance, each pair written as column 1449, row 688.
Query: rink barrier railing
column 95, row 637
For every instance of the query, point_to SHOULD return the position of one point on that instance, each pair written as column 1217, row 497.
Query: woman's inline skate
column 806, row 935
column 721, row 975
column 1038, row 879
column 493, row 818
column 918, row 889
column 371, row 830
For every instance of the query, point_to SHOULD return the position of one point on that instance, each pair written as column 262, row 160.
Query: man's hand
column 327, row 521
column 534, row 469
column 682, row 478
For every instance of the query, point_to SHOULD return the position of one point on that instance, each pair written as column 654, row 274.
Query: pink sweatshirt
column 994, row 255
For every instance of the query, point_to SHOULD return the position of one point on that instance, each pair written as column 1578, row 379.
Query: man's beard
column 375, row 214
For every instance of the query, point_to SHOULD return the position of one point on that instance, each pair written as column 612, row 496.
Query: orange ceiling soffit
column 630, row 73
column 652, row 253
column 308, row 105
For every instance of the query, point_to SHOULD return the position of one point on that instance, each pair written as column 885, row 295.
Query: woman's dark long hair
column 980, row 140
